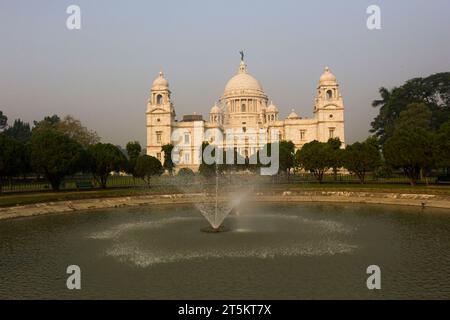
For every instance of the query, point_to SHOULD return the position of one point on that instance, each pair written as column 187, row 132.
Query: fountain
column 216, row 225
column 217, row 206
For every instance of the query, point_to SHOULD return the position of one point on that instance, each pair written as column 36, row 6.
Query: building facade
column 243, row 109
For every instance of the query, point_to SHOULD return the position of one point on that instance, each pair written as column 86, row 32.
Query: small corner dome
column 327, row 77
column 215, row 109
column 293, row 115
column 160, row 82
column 272, row 108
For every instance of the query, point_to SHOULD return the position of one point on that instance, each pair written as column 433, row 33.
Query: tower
column 160, row 117
column 329, row 109
column 216, row 115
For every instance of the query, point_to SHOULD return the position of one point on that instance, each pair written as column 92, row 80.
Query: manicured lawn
column 39, row 197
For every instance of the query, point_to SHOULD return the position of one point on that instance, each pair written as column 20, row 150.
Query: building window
column 331, row 133
column 302, row 135
column 243, row 108
column 186, row 138
column 158, row 120
column 158, row 155
column 159, row 99
column 187, row 158
column 329, row 94
column 280, row 136
column 158, row 137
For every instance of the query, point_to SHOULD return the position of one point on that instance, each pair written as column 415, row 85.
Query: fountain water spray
column 217, row 205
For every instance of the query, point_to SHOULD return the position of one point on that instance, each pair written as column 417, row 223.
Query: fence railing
column 70, row 183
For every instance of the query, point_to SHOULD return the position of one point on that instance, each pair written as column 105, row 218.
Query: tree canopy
column 433, row 91
column 20, row 131
column 134, row 149
column 147, row 167
column 287, row 156
column 69, row 126
column 3, row 120
column 74, row 129
column 55, row 155
column 205, row 169
column 412, row 145
column 443, row 146
column 315, row 157
column 361, row 157
column 168, row 162
column 336, row 155
column 13, row 158
column 105, row 158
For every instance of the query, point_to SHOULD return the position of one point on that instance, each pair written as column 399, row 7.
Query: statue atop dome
column 242, row 55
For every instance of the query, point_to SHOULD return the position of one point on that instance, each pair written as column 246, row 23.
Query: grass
column 14, row 199
column 8, row 200
column 352, row 187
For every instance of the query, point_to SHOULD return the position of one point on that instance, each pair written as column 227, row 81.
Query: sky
column 102, row 74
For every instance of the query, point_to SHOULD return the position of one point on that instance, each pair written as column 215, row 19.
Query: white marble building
column 243, row 108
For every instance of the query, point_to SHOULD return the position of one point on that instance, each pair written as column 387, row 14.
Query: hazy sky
column 102, row 74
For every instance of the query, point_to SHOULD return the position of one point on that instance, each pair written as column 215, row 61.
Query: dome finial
column 242, row 66
column 327, row 69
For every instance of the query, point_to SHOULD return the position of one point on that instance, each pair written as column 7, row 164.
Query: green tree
column 433, row 91
column 336, row 155
column 362, row 157
column 412, row 145
column 147, row 167
column 134, row 149
column 411, row 150
column 168, row 163
column 315, row 157
column 443, row 146
column 206, row 170
column 104, row 159
column 239, row 163
column 55, row 155
column 49, row 122
column 416, row 115
column 69, row 126
column 3, row 121
column 74, row 129
column 20, row 131
column 13, row 158
column 286, row 156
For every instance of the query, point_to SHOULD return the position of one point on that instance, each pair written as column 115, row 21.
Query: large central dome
column 243, row 83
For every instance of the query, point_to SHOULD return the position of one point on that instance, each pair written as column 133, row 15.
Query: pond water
column 273, row 251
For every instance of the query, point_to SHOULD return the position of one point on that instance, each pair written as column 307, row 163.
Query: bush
column 186, row 172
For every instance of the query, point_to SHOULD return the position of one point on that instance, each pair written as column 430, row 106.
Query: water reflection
column 273, row 251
